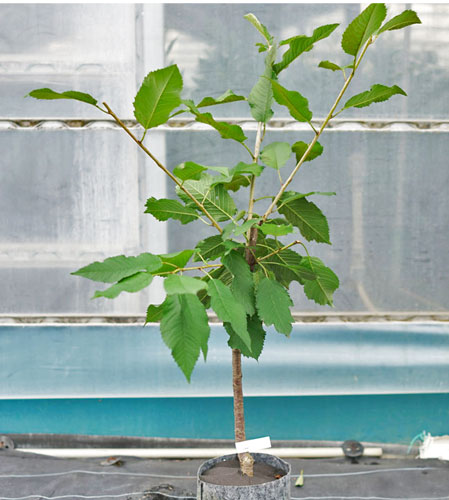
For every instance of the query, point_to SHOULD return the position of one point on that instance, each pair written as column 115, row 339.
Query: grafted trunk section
column 246, row 460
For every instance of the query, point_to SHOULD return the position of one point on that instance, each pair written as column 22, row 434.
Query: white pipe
column 190, row 452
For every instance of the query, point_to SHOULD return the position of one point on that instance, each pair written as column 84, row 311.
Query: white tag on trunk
column 253, row 445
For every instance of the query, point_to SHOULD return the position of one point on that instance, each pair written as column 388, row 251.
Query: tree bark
column 246, row 460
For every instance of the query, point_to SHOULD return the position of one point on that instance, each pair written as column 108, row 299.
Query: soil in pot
column 228, row 473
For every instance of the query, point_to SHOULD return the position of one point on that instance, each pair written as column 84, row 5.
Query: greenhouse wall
column 73, row 189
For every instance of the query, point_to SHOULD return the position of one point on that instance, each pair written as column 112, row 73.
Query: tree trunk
column 246, row 460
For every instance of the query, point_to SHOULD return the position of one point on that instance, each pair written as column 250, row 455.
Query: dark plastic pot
column 273, row 490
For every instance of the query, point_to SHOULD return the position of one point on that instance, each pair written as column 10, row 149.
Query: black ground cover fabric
column 41, row 477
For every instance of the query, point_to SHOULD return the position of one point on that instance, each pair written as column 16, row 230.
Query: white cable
column 168, row 476
column 360, row 473
column 90, row 497
column 99, row 473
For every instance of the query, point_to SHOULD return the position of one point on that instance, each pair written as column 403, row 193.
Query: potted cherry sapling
column 246, row 268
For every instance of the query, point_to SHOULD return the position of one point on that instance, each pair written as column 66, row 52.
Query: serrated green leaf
column 300, row 147
column 329, row 65
column 297, row 105
column 227, row 97
column 302, row 43
column 185, row 330
column 154, row 313
column 210, row 248
column 257, row 334
column 165, row 209
column 259, row 27
column 116, row 268
column 242, row 284
column 176, row 283
column 130, row 284
column 173, row 261
column 49, row 94
column 273, row 305
column 215, row 199
column 325, row 283
column 228, row 309
column 307, row 217
column 276, row 154
column 189, row 170
column 377, row 93
column 276, row 229
column 403, row 20
column 362, row 28
column 158, row 96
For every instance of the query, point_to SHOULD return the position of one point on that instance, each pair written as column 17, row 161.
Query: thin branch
column 192, row 268
column 317, row 135
column 162, row 167
column 297, row 242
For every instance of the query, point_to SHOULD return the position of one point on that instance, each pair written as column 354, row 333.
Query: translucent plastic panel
column 389, row 220
column 68, row 197
column 86, row 47
column 217, row 52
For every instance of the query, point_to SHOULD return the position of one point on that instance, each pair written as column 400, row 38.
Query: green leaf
column 116, row 268
column 297, row 105
column 307, row 217
column 302, row 43
column 273, row 305
column 260, row 98
column 225, row 129
column 173, row 261
column 227, row 97
column 377, row 93
column 323, row 286
column 228, row 309
column 362, row 28
column 176, row 283
column 69, row 94
column 131, row 284
column 247, row 168
column 276, row 229
column 300, row 147
column 215, row 199
column 158, row 96
column 242, row 284
column 185, row 330
column 259, row 27
column 154, row 313
column 276, row 154
column 262, row 47
column 210, row 248
column 404, row 19
column 189, row 170
column 236, row 183
column 165, row 209
column 257, row 334
column 329, row 65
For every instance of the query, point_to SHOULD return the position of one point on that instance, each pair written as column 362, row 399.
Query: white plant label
column 253, row 445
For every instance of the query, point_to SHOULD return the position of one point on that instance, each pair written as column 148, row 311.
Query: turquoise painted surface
column 382, row 418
